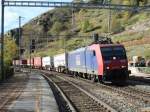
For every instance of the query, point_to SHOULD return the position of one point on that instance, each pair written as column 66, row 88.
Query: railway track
column 127, row 98
column 137, row 93
column 140, row 86
column 85, row 96
column 128, row 91
column 81, row 100
column 134, row 98
column 140, row 79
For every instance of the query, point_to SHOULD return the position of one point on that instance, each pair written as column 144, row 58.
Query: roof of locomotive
column 101, row 45
column 77, row 50
column 110, row 45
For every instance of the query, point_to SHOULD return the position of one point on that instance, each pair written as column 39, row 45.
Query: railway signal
column 22, row 51
column 32, row 46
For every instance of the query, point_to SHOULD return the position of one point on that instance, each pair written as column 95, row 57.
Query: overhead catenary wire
column 75, row 5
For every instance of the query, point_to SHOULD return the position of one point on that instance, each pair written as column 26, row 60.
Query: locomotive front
column 115, row 63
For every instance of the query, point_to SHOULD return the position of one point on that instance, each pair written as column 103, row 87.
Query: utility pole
column 2, row 40
column 30, row 53
column 109, row 19
column 20, row 43
column 73, row 19
column 64, row 44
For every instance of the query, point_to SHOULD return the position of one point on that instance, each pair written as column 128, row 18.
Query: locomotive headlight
column 114, row 58
column 107, row 68
column 123, row 66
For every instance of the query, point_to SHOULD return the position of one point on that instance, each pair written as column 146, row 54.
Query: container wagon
column 47, row 63
column 15, row 62
column 60, row 62
column 37, row 62
column 22, row 62
column 30, row 62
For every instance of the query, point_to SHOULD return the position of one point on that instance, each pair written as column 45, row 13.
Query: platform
column 36, row 96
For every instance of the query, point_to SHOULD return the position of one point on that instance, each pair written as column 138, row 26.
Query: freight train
column 100, row 61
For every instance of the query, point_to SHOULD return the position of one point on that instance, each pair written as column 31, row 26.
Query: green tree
column 116, row 26
column 127, row 14
column 86, row 26
column 78, row 1
column 44, row 24
column 95, row 1
column 141, row 2
column 57, row 27
column 10, row 50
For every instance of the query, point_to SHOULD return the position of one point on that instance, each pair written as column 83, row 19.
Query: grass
column 145, row 70
column 60, row 46
column 128, row 37
column 139, row 50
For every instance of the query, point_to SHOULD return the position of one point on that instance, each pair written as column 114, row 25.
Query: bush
column 57, row 27
column 116, row 26
column 86, row 26
column 128, row 37
column 95, row 1
column 8, row 71
column 10, row 52
column 147, row 54
column 74, row 44
column 105, row 28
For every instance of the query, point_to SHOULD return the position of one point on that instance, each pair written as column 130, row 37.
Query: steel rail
column 61, row 93
column 101, row 103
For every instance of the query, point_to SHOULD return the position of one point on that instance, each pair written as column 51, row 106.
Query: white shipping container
column 135, row 59
column 60, row 60
column 46, row 61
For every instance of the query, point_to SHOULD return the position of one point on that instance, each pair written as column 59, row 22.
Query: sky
column 12, row 14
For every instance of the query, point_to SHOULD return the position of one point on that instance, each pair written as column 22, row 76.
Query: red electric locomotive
column 38, row 62
column 112, row 62
column 102, row 60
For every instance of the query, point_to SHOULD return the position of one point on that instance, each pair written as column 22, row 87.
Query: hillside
column 55, row 33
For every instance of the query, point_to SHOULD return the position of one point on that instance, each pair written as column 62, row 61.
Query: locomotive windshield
column 109, row 52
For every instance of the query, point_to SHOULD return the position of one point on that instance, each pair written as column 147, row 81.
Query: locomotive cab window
column 109, row 52
column 94, row 54
column 119, row 52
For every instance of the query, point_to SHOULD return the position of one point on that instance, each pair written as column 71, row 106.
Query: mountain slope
column 55, row 31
